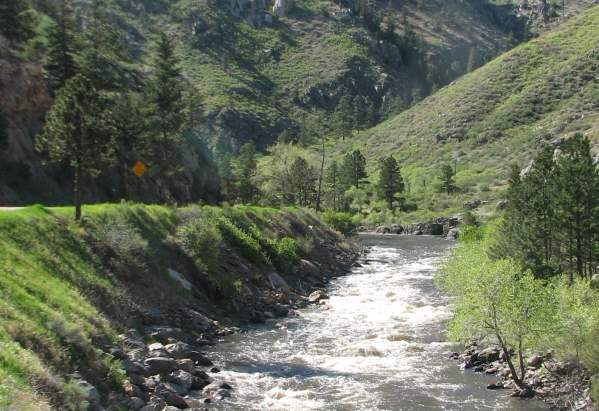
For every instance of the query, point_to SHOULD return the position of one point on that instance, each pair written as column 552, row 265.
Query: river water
column 378, row 344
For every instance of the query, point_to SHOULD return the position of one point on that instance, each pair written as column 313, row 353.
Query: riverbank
column 117, row 312
column 561, row 384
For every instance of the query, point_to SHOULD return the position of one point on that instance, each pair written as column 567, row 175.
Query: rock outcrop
column 439, row 226
column 282, row 7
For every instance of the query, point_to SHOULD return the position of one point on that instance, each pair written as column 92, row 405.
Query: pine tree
column 16, row 20
column 245, row 172
column 3, row 130
column 62, row 45
column 333, row 189
column 130, row 127
column 353, row 170
column 578, row 205
column 390, row 184
column 343, row 118
column 447, row 179
column 529, row 229
column 167, row 106
column 78, row 132
column 360, row 113
column 101, row 57
column 304, row 182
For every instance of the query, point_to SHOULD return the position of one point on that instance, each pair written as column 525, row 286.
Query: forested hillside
column 540, row 93
column 251, row 72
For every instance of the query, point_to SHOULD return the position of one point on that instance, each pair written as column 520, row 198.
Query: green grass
column 62, row 284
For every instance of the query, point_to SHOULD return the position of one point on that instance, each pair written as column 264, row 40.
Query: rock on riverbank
column 563, row 385
column 439, row 226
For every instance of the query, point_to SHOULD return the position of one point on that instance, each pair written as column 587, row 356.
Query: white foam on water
column 377, row 346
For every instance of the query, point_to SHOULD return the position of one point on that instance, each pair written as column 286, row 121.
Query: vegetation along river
column 378, row 344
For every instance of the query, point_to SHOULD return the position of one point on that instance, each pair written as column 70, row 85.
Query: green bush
column 200, row 240
column 341, row 222
column 283, row 253
column 246, row 244
column 114, row 237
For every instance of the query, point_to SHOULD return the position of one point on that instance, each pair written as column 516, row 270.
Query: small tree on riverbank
column 498, row 302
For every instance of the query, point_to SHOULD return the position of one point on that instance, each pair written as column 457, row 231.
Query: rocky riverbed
column 563, row 385
column 441, row 226
column 174, row 372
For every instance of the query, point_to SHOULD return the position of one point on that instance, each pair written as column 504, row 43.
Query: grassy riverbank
column 69, row 290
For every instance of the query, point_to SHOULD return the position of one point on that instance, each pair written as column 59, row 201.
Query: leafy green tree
column 62, row 46
column 16, row 20
column 78, row 132
column 390, row 184
column 343, row 118
column 245, row 173
column 447, row 176
column 353, row 169
column 166, row 114
column 496, row 301
column 578, row 205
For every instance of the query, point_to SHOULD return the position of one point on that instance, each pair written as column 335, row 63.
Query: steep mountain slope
column 263, row 73
column 260, row 72
column 500, row 114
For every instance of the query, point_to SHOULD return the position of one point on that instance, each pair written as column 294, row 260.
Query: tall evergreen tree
column 79, row 132
column 3, row 130
column 353, row 169
column 390, row 184
column 304, row 182
column 130, row 129
column 333, row 188
column 245, row 173
column 62, row 45
column 101, row 58
column 578, row 205
column 529, row 229
column 16, row 20
column 166, row 114
column 343, row 121
column 447, row 175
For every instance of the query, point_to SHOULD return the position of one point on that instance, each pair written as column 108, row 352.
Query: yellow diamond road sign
column 139, row 169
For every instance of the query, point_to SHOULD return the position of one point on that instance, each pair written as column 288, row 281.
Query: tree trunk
column 77, row 191
column 318, row 196
column 510, row 363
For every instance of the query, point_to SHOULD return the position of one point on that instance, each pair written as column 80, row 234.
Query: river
column 378, row 344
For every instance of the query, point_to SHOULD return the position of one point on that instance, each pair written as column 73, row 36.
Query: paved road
column 10, row 208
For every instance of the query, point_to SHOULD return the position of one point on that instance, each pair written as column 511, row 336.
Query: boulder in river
column 317, row 295
column 159, row 365
column 490, row 354
column 535, row 361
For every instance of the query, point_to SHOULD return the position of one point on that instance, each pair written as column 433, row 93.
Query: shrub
column 341, row 222
column 283, row 252
column 200, row 240
column 246, row 244
column 115, row 238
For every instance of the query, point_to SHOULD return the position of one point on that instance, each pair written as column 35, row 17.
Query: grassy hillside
column 498, row 115
column 260, row 75
column 68, row 291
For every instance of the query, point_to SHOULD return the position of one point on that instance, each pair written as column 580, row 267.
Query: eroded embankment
column 115, row 311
